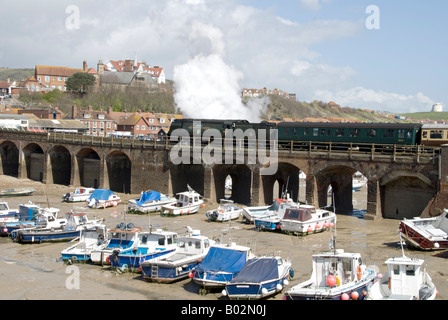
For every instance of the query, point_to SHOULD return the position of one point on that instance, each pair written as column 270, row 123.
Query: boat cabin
column 304, row 213
column 76, row 219
column 193, row 245
column 48, row 218
column 161, row 238
column 442, row 222
column 343, row 266
column 405, row 277
column 4, row 208
column 187, row 199
column 120, row 238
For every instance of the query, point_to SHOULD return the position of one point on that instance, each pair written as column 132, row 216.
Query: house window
column 143, row 128
column 137, row 127
column 108, row 125
column 47, row 78
column 59, row 78
column 60, row 88
column 101, row 124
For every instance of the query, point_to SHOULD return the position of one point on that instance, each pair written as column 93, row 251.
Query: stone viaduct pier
column 402, row 182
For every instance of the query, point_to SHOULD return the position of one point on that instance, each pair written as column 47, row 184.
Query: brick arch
column 59, row 165
column 119, row 171
column 9, row 154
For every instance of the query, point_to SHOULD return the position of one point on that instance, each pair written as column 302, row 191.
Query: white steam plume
column 207, row 87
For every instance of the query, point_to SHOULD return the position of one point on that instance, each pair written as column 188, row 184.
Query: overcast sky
column 318, row 49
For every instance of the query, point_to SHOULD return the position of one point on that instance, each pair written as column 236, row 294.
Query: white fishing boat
column 191, row 250
column 188, row 202
column 92, row 237
column 122, row 237
column 226, row 211
column 336, row 275
column 306, row 219
column 80, row 194
column 252, row 213
column 13, row 192
column 6, row 214
column 103, row 198
column 259, row 278
column 150, row 201
column 426, row 233
column 405, row 279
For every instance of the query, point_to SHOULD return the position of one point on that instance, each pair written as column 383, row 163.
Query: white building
column 437, row 107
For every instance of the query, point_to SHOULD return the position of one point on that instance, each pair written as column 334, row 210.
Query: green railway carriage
column 356, row 133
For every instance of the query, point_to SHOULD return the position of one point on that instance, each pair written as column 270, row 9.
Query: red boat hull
column 419, row 241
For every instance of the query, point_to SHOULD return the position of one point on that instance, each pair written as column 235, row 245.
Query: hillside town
column 120, row 76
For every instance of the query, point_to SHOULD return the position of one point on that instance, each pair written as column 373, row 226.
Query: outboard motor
column 424, row 293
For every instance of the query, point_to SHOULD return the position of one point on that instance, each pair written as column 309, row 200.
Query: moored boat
column 272, row 222
column 27, row 219
column 150, row 201
column 226, row 211
column 191, row 250
column 103, row 198
column 69, row 231
column 123, row 236
column 306, row 219
column 6, row 214
column 189, row 202
column 426, row 233
column 259, row 278
column 251, row 213
column 221, row 264
column 151, row 245
column 405, row 279
column 80, row 194
column 336, row 275
column 13, row 192
column 92, row 237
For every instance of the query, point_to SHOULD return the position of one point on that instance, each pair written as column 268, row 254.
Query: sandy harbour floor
column 36, row 271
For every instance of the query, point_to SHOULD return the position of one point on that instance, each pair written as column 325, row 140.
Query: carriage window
column 401, row 134
column 294, row 131
column 306, row 131
column 435, row 134
column 328, row 132
column 355, row 132
column 371, row 133
column 315, row 132
column 339, row 132
column 322, row 132
column 388, row 133
column 425, row 134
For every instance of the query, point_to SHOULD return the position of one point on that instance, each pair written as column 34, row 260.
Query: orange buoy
column 345, row 296
column 331, row 280
column 354, row 295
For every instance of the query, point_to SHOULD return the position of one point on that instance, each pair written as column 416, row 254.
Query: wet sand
column 36, row 271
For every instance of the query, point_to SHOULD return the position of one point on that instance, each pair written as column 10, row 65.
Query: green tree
column 80, row 82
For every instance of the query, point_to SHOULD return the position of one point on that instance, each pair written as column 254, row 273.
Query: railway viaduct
column 401, row 183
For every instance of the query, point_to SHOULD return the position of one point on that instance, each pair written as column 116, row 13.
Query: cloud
column 313, row 5
column 360, row 97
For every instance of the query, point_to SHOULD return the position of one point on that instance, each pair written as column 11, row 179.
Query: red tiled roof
column 56, row 71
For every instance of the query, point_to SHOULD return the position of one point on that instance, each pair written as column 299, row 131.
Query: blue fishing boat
column 151, row 245
column 191, row 250
column 92, row 237
column 221, row 264
column 123, row 236
column 27, row 218
column 252, row 213
column 259, row 278
column 68, row 231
